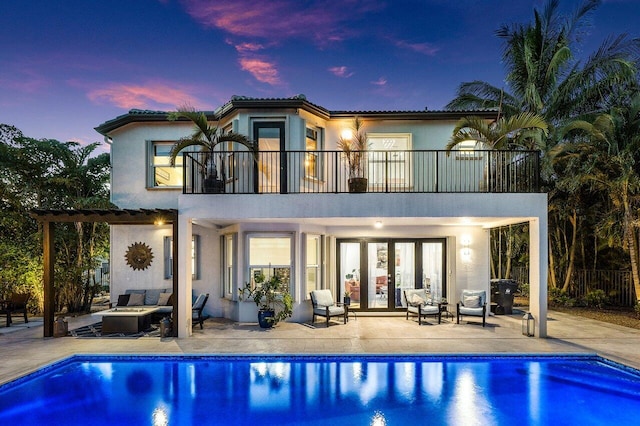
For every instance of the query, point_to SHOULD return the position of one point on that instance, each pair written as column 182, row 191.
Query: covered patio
column 48, row 219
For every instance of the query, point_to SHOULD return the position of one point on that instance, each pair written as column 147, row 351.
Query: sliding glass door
column 376, row 272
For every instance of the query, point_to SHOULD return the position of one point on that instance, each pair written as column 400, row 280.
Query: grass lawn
column 626, row 317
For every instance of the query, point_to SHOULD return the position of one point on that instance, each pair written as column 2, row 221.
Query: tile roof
column 297, row 101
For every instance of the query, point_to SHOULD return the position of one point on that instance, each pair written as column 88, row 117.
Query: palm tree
column 207, row 137
column 611, row 165
column 544, row 77
column 523, row 130
column 543, row 74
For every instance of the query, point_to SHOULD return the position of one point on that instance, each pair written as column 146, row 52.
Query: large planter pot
column 358, row 184
column 213, row 186
column 263, row 319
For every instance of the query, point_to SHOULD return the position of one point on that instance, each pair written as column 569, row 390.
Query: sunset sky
column 68, row 65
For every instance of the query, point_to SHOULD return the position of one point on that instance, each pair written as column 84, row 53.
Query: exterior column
column 183, row 318
column 538, row 264
column 48, row 260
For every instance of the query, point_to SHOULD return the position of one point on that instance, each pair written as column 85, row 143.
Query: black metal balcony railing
column 238, row 172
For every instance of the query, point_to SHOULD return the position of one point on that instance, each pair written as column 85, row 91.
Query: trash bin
column 502, row 292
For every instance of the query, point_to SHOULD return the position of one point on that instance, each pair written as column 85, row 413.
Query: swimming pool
column 325, row 390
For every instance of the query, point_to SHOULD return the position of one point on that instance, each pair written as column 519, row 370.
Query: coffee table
column 126, row 319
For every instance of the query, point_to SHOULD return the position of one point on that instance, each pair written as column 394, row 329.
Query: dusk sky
column 69, row 65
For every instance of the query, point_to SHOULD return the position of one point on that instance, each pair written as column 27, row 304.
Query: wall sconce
column 465, row 240
column 528, row 325
column 346, row 134
column 378, row 224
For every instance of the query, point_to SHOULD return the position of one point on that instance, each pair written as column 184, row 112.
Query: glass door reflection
column 378, row 274
column 350, row 273
column 404, row 269
column 433, row 268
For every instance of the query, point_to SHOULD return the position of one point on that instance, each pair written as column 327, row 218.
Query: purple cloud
column 247, row 47
column 423, row 48
column 380, row 82
column 319, row 21
column 149, row 95
column 262, row 70
column 341, row 71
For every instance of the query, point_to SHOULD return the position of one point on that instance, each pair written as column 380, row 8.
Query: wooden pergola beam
column 111, row 216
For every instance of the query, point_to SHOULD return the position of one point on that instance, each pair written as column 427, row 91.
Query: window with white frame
column 390, row 162
column 313, row 259
column 195, row 256
column 270, row 255
column 469, row 150
column 161, row 173
column 228, row 244
column 312, row 160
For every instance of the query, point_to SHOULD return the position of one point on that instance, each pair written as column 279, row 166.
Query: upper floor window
column 313, row 144
column 468, row 150
column 161, row 173
column 390, row 162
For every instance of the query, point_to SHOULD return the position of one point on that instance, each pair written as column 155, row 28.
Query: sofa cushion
column 471, row 301
column 136, row 299
column 151, row 296
column 481, row 293
column 417, row 300
column 323, row 297
column 420, row 292
column 163, row 299
column 123, row 300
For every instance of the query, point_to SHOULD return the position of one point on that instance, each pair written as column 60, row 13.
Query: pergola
column 50, row 217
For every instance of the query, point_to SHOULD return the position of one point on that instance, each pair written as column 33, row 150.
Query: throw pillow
column 471, row 301
column 163, row 300
column 151, row 296
column 123, row 300
column 416, row 300
column 136, row 300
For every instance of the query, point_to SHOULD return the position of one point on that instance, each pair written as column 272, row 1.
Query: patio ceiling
column 335, row 222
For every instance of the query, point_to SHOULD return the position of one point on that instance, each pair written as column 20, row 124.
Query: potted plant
column 272, row 298
column 354, row 149
column 207, row 137
column 347, row 298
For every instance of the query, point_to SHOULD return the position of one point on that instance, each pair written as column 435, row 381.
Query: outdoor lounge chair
column 16, row 304
column 197, row 308
column 324, row 306
column 474, row 303
column 420, row 303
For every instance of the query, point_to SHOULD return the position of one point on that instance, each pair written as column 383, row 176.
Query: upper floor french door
column 270, row 171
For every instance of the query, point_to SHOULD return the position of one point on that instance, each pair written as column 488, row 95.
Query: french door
column 270, row 169
column 376, row 271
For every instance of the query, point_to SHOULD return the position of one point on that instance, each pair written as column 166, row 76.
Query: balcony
column 317, row 172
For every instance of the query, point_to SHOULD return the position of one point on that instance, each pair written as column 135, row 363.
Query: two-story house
column 423, row 219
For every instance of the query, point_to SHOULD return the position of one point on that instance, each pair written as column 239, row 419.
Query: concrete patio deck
column 23, row 349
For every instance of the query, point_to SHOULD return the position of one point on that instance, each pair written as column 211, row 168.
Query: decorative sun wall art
column 139, row 256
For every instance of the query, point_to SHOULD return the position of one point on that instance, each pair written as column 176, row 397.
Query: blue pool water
column 325, row 390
